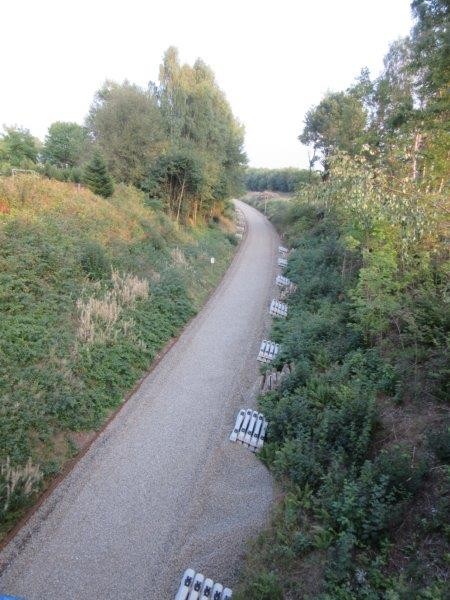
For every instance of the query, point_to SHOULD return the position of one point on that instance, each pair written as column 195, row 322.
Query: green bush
column 94, row 261
column 263, row 586
column 356, row 340
column 439, row 443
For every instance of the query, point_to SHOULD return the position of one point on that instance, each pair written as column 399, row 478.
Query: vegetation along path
column 162, row 488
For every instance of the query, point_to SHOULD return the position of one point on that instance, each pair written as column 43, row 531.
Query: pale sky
column 274, row 59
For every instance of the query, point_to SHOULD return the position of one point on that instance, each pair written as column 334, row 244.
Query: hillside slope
column 90, row 291
column 359, row 433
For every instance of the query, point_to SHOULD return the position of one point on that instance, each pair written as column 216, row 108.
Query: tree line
column 177, row 139
column 277, row 180
column 402, row 115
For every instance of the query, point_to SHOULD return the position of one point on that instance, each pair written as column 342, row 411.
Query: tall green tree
column 18, row 148
column 431, row 48
column 179, row 176
column 338, row 122
column 66, row 144
column 199, row 120
column 278, row 180
column 96, row 176
column 409, row 102
column 126, row 123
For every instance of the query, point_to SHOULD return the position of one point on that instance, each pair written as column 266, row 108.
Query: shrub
column 94, row 261
column 17, row 484
column 366, row 326
column 231, row 237
column 263, row 586
column 439, row 443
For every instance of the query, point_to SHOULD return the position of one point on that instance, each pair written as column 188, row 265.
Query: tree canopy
column 404, row 113
column 204, row 140
column 277, row 180
column 337, row 122
column 126, row 123
column 177, row 139
column 18, row 148
column 66, row 144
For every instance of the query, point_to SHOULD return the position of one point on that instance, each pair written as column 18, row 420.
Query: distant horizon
column 270, row 77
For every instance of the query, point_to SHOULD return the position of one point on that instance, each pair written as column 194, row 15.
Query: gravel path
column 162, row 488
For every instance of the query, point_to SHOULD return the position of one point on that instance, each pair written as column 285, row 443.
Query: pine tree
column 97, row 178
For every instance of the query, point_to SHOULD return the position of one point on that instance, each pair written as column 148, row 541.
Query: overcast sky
column 274, row 59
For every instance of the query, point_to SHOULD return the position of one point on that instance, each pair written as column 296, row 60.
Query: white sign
column 213, row 260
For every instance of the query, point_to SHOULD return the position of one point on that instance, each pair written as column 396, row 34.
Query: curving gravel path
column 162, row 488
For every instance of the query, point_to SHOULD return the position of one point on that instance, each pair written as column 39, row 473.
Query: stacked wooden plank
column 272, row 379
column 195, row 586
column 282, row 262
column 249, row 429
column 268, row 351
column 278, row 309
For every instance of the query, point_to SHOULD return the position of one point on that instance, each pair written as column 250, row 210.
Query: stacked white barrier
column 196, row 587
column 278, row 309
column 285, row 283
column 249, row 429
column 282, row 262
column 240, row 224
column 282, row 250
column 268, row 351
column 282, row 281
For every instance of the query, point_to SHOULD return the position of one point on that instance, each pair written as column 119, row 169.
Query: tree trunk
column 180, row 198
column 416, row 146
column 195, row 212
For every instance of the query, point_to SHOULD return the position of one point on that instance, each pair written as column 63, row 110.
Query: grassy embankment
column 90, row 291
column 359, row 435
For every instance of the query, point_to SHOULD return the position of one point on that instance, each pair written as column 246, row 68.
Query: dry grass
column 120, row 217
column 129, row 288
column 24, row 479
column 97, row 317
column 178, row 257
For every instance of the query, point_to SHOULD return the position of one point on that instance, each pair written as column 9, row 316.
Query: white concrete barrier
column 207, row 589
column 237, row 426
column 244, row 426
column 278, row 309
column 217, row 591
column 252, row 430
column 256, row 433
column 268, row 351
column 185, row 585
column 195, row 586
column 262, row 435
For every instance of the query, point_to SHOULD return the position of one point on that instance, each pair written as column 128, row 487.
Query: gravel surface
column 162, row 488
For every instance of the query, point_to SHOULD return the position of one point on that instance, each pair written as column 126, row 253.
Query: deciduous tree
column 66, row 144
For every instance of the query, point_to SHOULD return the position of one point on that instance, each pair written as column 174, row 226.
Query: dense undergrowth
column 359, row 435
column 90, row 291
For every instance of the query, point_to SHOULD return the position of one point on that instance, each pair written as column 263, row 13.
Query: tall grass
column 97, row 317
